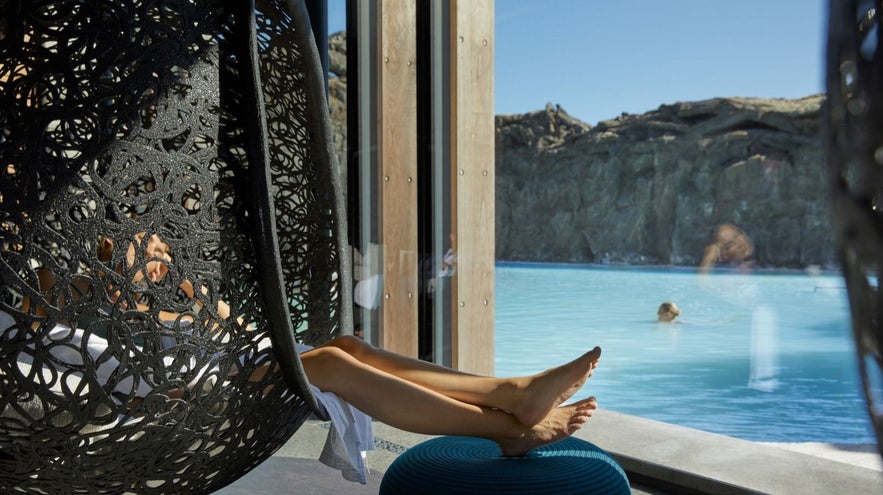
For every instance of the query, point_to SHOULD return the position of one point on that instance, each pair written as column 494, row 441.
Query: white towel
column 350, row 437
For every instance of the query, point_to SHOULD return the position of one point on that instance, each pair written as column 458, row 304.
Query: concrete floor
column 659, row 458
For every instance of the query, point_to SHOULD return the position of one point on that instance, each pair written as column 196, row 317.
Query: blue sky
column 599, row 58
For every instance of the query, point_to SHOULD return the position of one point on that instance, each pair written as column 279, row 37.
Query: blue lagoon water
column 759, row 356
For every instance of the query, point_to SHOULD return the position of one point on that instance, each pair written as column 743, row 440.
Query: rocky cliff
column 653, row 188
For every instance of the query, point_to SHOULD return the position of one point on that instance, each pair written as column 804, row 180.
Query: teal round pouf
column 448, row 465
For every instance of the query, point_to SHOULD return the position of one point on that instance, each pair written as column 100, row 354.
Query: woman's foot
column 559, row 423
column 541, row 393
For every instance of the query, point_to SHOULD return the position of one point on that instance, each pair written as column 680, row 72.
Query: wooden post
column 397, row 157
column 469, row 74
column 472, row 167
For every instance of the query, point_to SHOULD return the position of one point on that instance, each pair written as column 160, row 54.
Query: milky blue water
column 763, row 357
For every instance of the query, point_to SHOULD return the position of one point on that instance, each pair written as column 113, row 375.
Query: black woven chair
column 202, row 122
column 854, row 143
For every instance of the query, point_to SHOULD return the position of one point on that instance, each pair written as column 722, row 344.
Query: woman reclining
column 519, row 414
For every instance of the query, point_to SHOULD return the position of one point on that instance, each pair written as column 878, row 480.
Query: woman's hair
column 105, row 248
column 668, row 308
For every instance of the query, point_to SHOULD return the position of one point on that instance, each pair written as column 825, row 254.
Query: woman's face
column 156, row 250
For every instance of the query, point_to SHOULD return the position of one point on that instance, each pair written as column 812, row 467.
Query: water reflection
column 764, row 357
column 730, row 245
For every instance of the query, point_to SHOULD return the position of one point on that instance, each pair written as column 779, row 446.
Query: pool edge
column 678, row 459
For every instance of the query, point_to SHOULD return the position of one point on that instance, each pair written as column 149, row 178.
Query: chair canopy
column 854, row 142
column 200, row 127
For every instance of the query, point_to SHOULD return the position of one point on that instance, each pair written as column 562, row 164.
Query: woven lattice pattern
column 135, row 335
column 854, row 138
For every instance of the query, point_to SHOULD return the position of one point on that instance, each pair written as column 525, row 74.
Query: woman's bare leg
column 528, row 398
column 413, row 407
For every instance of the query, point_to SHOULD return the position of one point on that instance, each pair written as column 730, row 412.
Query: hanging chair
column 170, row 225
column 853, row 130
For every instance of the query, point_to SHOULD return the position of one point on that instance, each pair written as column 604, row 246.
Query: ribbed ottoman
column 448, row 465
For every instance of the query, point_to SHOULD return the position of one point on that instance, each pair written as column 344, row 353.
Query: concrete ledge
column 660, row 458
column 683, row 460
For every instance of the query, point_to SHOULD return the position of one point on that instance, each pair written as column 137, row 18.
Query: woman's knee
column 323, row 358
column 353, row 346
column 329, row 368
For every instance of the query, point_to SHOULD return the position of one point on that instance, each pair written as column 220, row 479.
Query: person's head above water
column 667, row 312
